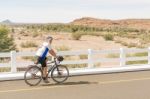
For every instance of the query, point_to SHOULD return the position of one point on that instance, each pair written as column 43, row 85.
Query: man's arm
column 52, row 52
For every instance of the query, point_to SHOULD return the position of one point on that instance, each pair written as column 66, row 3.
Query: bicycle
column 33, row 75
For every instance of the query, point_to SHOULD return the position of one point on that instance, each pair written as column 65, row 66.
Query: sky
column 50, row 11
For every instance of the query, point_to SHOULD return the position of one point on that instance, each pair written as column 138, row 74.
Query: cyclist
column 42, row 53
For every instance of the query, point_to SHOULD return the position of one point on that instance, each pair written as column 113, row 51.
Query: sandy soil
column 86, row 42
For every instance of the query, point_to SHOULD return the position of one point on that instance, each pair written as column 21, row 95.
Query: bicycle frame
column 52, row 66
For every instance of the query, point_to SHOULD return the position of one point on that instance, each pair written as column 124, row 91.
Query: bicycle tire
column 55, row 74
column 38, row 76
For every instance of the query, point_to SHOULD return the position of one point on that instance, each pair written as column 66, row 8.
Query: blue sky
column 45, row 11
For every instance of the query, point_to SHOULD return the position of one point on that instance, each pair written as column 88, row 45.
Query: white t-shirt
column 43, row 50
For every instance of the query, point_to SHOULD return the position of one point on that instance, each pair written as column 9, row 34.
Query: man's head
column 49, row 39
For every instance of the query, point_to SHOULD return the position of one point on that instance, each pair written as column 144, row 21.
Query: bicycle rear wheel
column 33, row 76
column 60, row 74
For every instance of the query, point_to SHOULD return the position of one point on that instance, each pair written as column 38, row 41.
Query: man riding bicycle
column 42, row 53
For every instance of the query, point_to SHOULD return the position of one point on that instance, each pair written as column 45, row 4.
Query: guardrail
column 122, row 59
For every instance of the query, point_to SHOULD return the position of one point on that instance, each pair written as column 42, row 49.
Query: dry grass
column 76, row 65
column 137, row 62
column 29, row 58
column 28, row 44
column 62, row 48
column 5, row 69
column 83, row 56
column 113, row 56
column 97, row 64
column 137, row 54
column 35, row 34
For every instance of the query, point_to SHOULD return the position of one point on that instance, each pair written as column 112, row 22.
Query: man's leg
column 44, row 69
column 44, row 72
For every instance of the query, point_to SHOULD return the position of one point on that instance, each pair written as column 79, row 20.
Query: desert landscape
column 94, row 32
column 82, row 34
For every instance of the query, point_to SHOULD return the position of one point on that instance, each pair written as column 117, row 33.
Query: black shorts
column 42, row 62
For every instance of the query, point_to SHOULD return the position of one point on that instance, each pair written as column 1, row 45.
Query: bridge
column 118, row 82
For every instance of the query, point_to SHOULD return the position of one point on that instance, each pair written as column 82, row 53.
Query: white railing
column 13, row 64
column 90, row 69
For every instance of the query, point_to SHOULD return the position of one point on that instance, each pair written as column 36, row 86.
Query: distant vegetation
column 80, row 28
column 61, row 28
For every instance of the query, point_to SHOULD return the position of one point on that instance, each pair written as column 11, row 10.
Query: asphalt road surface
column 127, row 85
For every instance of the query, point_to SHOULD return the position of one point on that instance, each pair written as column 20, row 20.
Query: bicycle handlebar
column 54, row 61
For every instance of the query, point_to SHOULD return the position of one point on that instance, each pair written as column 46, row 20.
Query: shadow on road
column 70, row 83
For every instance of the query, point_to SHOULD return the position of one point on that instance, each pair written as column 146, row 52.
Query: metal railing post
column 122, row 57
column 90, row 62
column 13, row 61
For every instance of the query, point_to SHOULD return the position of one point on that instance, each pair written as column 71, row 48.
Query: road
column 127, row 85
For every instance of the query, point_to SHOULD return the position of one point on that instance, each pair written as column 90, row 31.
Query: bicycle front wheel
column 33, row 76
column 60, row 74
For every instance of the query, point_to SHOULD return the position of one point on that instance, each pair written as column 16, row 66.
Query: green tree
column 6, row 42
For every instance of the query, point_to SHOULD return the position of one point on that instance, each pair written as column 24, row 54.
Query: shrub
column 109, row 37
column 76, row 36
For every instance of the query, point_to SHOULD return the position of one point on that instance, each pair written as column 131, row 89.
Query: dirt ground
column 65, row 39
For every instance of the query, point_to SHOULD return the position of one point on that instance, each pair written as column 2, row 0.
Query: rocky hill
column 132, row 23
